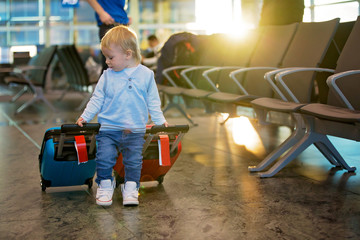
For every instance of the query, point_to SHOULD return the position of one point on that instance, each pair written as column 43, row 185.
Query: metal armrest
column 191, row 69
column 269, row 77
column 215, row 69
column 234, row 73
column 21, row 72
column 167, row 70
column 279, row 78
column 27, row 68
column 332, row 83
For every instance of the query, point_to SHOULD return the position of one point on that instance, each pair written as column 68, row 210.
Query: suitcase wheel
column 160, row 179
column 44, row 184
column 43, row 187
column 89, row 182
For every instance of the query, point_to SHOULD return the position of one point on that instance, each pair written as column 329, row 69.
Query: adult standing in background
column 109, row 13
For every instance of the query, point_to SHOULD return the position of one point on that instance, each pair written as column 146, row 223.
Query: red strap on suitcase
column 164, row 150
column 80, row 145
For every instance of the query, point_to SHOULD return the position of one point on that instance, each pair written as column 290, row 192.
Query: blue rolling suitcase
column 62, row 149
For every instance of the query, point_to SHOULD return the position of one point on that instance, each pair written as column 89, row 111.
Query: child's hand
column 166, row 124
column 80, row 121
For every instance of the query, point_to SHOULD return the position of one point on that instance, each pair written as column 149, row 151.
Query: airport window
column 322, row 10
column 46, row 22
column 26, row 9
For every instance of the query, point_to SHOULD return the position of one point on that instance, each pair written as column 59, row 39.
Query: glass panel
column 307, row 3
column 24, row 37
column 180, row 11
column 57, row 12
column 212, row 19
column 346, row 11
column 60, row 35
column 26, row 8
column 147, row 10
column 2, row 38
column 307, row 15
column 173, row 11
column 85, row 13
column 4, row 53
column 25, row 33
column 87, row 37
column 3, row 11
column 320, row 2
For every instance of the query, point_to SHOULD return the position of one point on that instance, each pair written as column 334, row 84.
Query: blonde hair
column 125, row 38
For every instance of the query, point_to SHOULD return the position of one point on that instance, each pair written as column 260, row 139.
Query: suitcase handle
column 172, row 128
column 88, row 127
column 156, row 129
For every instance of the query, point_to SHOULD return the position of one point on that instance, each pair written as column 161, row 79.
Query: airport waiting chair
column 314, row 121
column 268, row 54
column 77, row 76
column 235, row 54
column 32, row 78
column 216, row 50
column 307, row 49
column 180, row 51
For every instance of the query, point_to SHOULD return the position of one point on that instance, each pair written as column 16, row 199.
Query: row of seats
column 77, row 75
column 35, row 75
column 279, row 79
column 339, row 117
column 32, row 77
column 268, row 48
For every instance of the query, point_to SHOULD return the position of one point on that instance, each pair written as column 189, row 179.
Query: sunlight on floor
column 244, row 134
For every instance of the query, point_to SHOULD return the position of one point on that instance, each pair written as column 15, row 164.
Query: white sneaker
column 105, row 192
column 130, row 193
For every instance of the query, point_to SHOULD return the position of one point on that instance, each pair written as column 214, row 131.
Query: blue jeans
column 109, row 145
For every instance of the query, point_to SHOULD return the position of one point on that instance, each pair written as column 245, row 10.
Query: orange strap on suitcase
column 80, row 145
column 164, row 150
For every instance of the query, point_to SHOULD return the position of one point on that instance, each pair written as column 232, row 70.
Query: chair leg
column 327, row 154
column 83, row 102
column 310, row 138
column 20, row 93
column 39, row 95
column 223, row 122
column 26, row 104
column 298, row 148
column 48, row 103
column 330, row 148
column 261, row 115
column 295, row 136
column 327, row 148
column 63, row 94
column 171, row 104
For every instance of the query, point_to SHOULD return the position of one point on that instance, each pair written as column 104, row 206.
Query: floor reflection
column 245, row 134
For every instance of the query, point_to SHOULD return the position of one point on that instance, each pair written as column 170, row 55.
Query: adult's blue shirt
column 115, row 8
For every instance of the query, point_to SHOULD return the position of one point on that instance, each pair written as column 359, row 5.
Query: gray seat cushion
column 331, row 112
column 273, row 104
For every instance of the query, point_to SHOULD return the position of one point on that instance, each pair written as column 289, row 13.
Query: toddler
column 123, row 98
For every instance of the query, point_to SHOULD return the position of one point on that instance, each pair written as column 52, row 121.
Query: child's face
column 153, row 43
column 116, row 58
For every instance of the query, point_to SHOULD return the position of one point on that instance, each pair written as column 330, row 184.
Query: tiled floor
column 208, row 193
